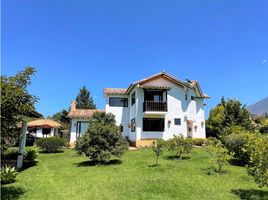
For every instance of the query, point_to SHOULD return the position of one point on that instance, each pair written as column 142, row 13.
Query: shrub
column 180, row 145
column 219, row 154
column 29, row 157
column 257, row 148
column 51, row 144
column 198, row 141
column 158, row 148
column 102, row 139
column 235, row 143
column 9, row 155
column 8, row 174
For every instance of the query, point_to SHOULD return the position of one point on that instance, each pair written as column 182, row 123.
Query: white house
column 158, row 106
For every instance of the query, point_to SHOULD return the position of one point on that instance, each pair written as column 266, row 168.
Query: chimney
column 73, row 105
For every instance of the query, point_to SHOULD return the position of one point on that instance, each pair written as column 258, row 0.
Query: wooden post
column 22, row 143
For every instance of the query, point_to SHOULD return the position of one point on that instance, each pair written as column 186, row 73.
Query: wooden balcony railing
column 154, row 106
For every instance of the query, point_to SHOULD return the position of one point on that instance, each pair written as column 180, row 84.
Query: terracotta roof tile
column 115, row 91
column 82, row 113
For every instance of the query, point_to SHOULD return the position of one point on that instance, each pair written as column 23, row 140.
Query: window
column 186, row 98
column 177, row 121
column 192, row 98
column 151, row 95
column 118, row 102
column 121, row 128
column 153, row 124
column 133, row 125
column 46, row 131
column 81, row 128
column 133, row 98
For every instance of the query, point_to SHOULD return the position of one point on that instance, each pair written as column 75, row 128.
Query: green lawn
column 68, row 176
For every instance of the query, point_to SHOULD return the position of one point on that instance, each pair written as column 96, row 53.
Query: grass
column 67, row 176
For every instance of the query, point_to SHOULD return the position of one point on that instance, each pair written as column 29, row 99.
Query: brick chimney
column 73, row 105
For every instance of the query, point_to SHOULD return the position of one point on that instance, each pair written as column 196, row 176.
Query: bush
column 257, row 149
column 9, row 155
column 235, row 143
column 8, row 174
column 158, row 148
column 180, row 145
column 102, row 139
column 29, row 157
column 198, row 141
column 218, row 153
column 51, row 144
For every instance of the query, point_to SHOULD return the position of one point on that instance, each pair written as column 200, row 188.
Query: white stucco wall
column 121, row 114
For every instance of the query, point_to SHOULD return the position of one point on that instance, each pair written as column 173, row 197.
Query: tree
column 158, row 148
column 84, row 100
column 16, row 102
column 102, row 140
column 61, row 117
column 219, row 154
column 229, row 113
column 180, row 145
column 257, row 149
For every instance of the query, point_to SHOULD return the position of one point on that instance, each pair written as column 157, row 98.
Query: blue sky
column 222, row 44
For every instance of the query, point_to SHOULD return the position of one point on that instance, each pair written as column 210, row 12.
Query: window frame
column 133, row 98
column 133, row 125
column 78, row 127
column 124, row 98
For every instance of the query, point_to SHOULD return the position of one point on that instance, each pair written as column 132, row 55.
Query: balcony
column 154, row 106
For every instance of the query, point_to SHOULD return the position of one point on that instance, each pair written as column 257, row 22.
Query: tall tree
column 84, row 100
column 16, row 102
column 61, row 117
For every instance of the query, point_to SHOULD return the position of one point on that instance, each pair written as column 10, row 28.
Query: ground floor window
column 81, row 128
column 153, row 124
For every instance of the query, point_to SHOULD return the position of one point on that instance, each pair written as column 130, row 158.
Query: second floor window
column 118, row 102
column 133, row 98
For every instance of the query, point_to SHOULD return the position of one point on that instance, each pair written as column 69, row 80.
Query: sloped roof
column 82, row 113
column 186, row 84
column 44, row 123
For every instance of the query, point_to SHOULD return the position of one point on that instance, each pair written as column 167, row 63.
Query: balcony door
column 153, row 95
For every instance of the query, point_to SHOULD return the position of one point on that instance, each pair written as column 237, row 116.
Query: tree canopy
column 84, row 100
column 16, row 102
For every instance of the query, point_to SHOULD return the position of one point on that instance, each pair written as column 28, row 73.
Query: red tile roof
column 82, row 113
column 114, row 91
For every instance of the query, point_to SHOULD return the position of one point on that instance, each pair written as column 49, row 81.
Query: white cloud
column 264, row 61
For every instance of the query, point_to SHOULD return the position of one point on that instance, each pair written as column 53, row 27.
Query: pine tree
column 84, row 100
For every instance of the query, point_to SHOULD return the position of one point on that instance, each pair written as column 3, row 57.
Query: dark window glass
column 46, row 131
column 121, row 128
column 133, row 125
column 153, row 124
column 151, row 95
column 186, row 98
column 192, row 97
column 133, row 98
column 81, row 128
column 118, row 102
column 177, row 121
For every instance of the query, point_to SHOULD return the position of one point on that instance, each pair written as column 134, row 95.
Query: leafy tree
column 229, row 113
column 84, row 100
column 219, row 154
column 62, row 118
column 102, row 139
column 16, row 102
column 158, row 148
column 180, row 145
column 257, row 148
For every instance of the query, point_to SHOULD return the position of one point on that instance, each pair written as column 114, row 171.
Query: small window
column 133, row 98
column 133, row 125
column 121, row 128
column 192, row 98
column 118, row 102
column 177, row 121
column 186, row 97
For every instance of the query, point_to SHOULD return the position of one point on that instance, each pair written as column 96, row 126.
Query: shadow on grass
column 251, row 194
column 28, row 165
column 11, row 192
column 175, row 157
column 94, row 163
column 213, row 170
column 48, row 152
column 237, row 162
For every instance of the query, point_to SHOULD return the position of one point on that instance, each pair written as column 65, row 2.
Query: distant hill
column 259, row 108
